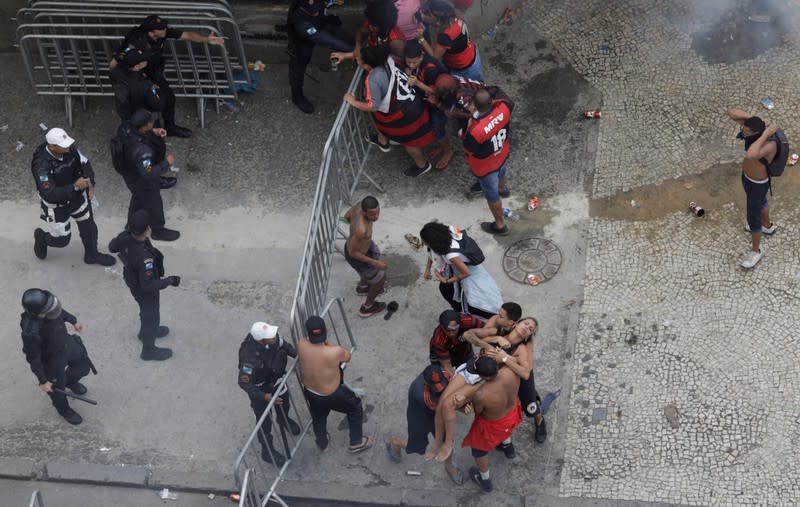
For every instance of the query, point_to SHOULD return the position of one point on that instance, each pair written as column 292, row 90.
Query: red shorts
column 485, row 435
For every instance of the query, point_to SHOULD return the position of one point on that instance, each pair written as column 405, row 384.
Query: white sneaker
column 764, row 230
column 752, row 258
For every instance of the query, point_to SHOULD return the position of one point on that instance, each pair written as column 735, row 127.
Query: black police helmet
column 37, row 301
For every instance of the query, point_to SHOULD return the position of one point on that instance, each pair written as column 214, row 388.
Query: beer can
column 696, row 209
column 533, row 279
column 596, row 114
column 334, row 64
column 533, row 203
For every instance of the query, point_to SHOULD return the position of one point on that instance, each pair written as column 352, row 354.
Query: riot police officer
column 65, row 181
column 308, row 24
column 262, row 362
column 143, row 272
column 149, row 37
column 57, row 358
column 145, row 159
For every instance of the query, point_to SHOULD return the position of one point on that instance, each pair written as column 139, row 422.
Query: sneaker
column 40, row 243
column 294, row 428
column 155, row 354
column 373, row 139
column 165, row 234
column 505, row 194
column 100, row 258
column 77, row 388
column 492, row 228
column 415, row 171
column 363, row 290
column 376, row 308
column 769, row 231
column 541, row 432
column 752, row 258
column 485, row 485
column 508, row 449
column 71, row 416
column 302, row 103
column 476, row 188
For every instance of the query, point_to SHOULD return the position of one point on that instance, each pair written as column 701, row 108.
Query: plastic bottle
column 509, row 213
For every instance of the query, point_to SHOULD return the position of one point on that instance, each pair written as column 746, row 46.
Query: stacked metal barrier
column 67, row 48
column 344, row 160
column 36, row 499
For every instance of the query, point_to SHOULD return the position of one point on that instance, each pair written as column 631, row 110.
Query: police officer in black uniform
column 145, row 158
column 143, row 272
column 65, row 181
column 149, row 37
column 134, row 90
column 308, row 24
column 262, row 362
column 57, row 358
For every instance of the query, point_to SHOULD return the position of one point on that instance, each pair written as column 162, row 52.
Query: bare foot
column 432, row 451
column 445, row 451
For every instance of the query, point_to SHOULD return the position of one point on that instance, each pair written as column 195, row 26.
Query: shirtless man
column 760, row 150
column 323, row 386
column 364, row 256
column 497, row 413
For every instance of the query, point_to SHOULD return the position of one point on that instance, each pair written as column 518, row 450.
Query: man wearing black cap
column 145, row 159
column 307, row 25
column 143, row 272
column 448, row 348
column 263, row 356
column 322, row 366
column 57, row 358
column 149, row 37
column 65, row 181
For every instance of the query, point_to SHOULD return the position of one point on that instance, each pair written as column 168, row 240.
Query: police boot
column 77, row 388
column 161, row 332
column 155, row 354
column 275, row 458
column 100, row 258
column 71, row 416
column 88, row 232
column 301, row 101
column 166, row 182
column 40, row 243
column 165, row 234
column 178, row 131
column 294, row 428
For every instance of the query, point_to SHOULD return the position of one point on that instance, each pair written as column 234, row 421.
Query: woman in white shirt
column 467, row 286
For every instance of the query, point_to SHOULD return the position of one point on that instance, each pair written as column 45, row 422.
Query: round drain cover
column 532, row 261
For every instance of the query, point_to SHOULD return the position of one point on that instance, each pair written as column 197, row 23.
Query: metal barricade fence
column 36, row 499
column 343, row 167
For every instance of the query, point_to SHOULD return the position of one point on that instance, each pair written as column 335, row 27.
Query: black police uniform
column 61, row 199
column 135, row 90
column 260, row 369
column 143, row 271
column 145, row 162
column 138, row 38
column 307, row 25
column 55, row 356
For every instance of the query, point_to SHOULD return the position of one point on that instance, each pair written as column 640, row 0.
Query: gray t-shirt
column 377, row 87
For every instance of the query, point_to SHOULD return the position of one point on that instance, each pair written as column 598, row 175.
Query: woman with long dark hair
column 452, row 45
column 467, row 286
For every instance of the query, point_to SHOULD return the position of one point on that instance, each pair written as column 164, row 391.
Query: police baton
column 76, row 396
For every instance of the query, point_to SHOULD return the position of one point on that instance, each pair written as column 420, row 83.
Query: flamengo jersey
column 403, row 114
column 486, row 143
column 460, row 52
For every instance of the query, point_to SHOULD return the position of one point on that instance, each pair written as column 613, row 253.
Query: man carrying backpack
column 761, row 149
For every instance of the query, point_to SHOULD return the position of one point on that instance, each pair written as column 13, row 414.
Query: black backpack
column 469, row 249
column 778, row 164
column 118, row 151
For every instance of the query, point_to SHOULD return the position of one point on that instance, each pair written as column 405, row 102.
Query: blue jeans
column 473, row 71
column 490, row 184
column 756, row 201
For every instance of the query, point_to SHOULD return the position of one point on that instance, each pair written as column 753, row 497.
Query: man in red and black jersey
column 448, row 348
column 486, row 148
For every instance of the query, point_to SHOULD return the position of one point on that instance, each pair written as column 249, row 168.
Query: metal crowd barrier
column 36, row 499
column 67, row 47
column 343, row 168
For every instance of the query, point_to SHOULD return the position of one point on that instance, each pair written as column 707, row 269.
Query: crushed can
column 533, row 279
column 696, row 209
column 792, row 159
column 533, row 203
column 596, row 114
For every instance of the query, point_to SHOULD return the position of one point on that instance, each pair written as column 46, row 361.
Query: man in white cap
column 65, row 181
column 263, row 356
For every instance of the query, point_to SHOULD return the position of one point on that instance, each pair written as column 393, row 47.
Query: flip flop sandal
column 393, row 457
column 444, row 162
column 366, row 443
column 414, row 241
column 458, row 478
column 436, row 151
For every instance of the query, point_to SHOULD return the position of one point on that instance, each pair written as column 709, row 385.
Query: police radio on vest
column 492, row 124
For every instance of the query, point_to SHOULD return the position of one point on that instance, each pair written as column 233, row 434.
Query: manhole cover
column 533, row 261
